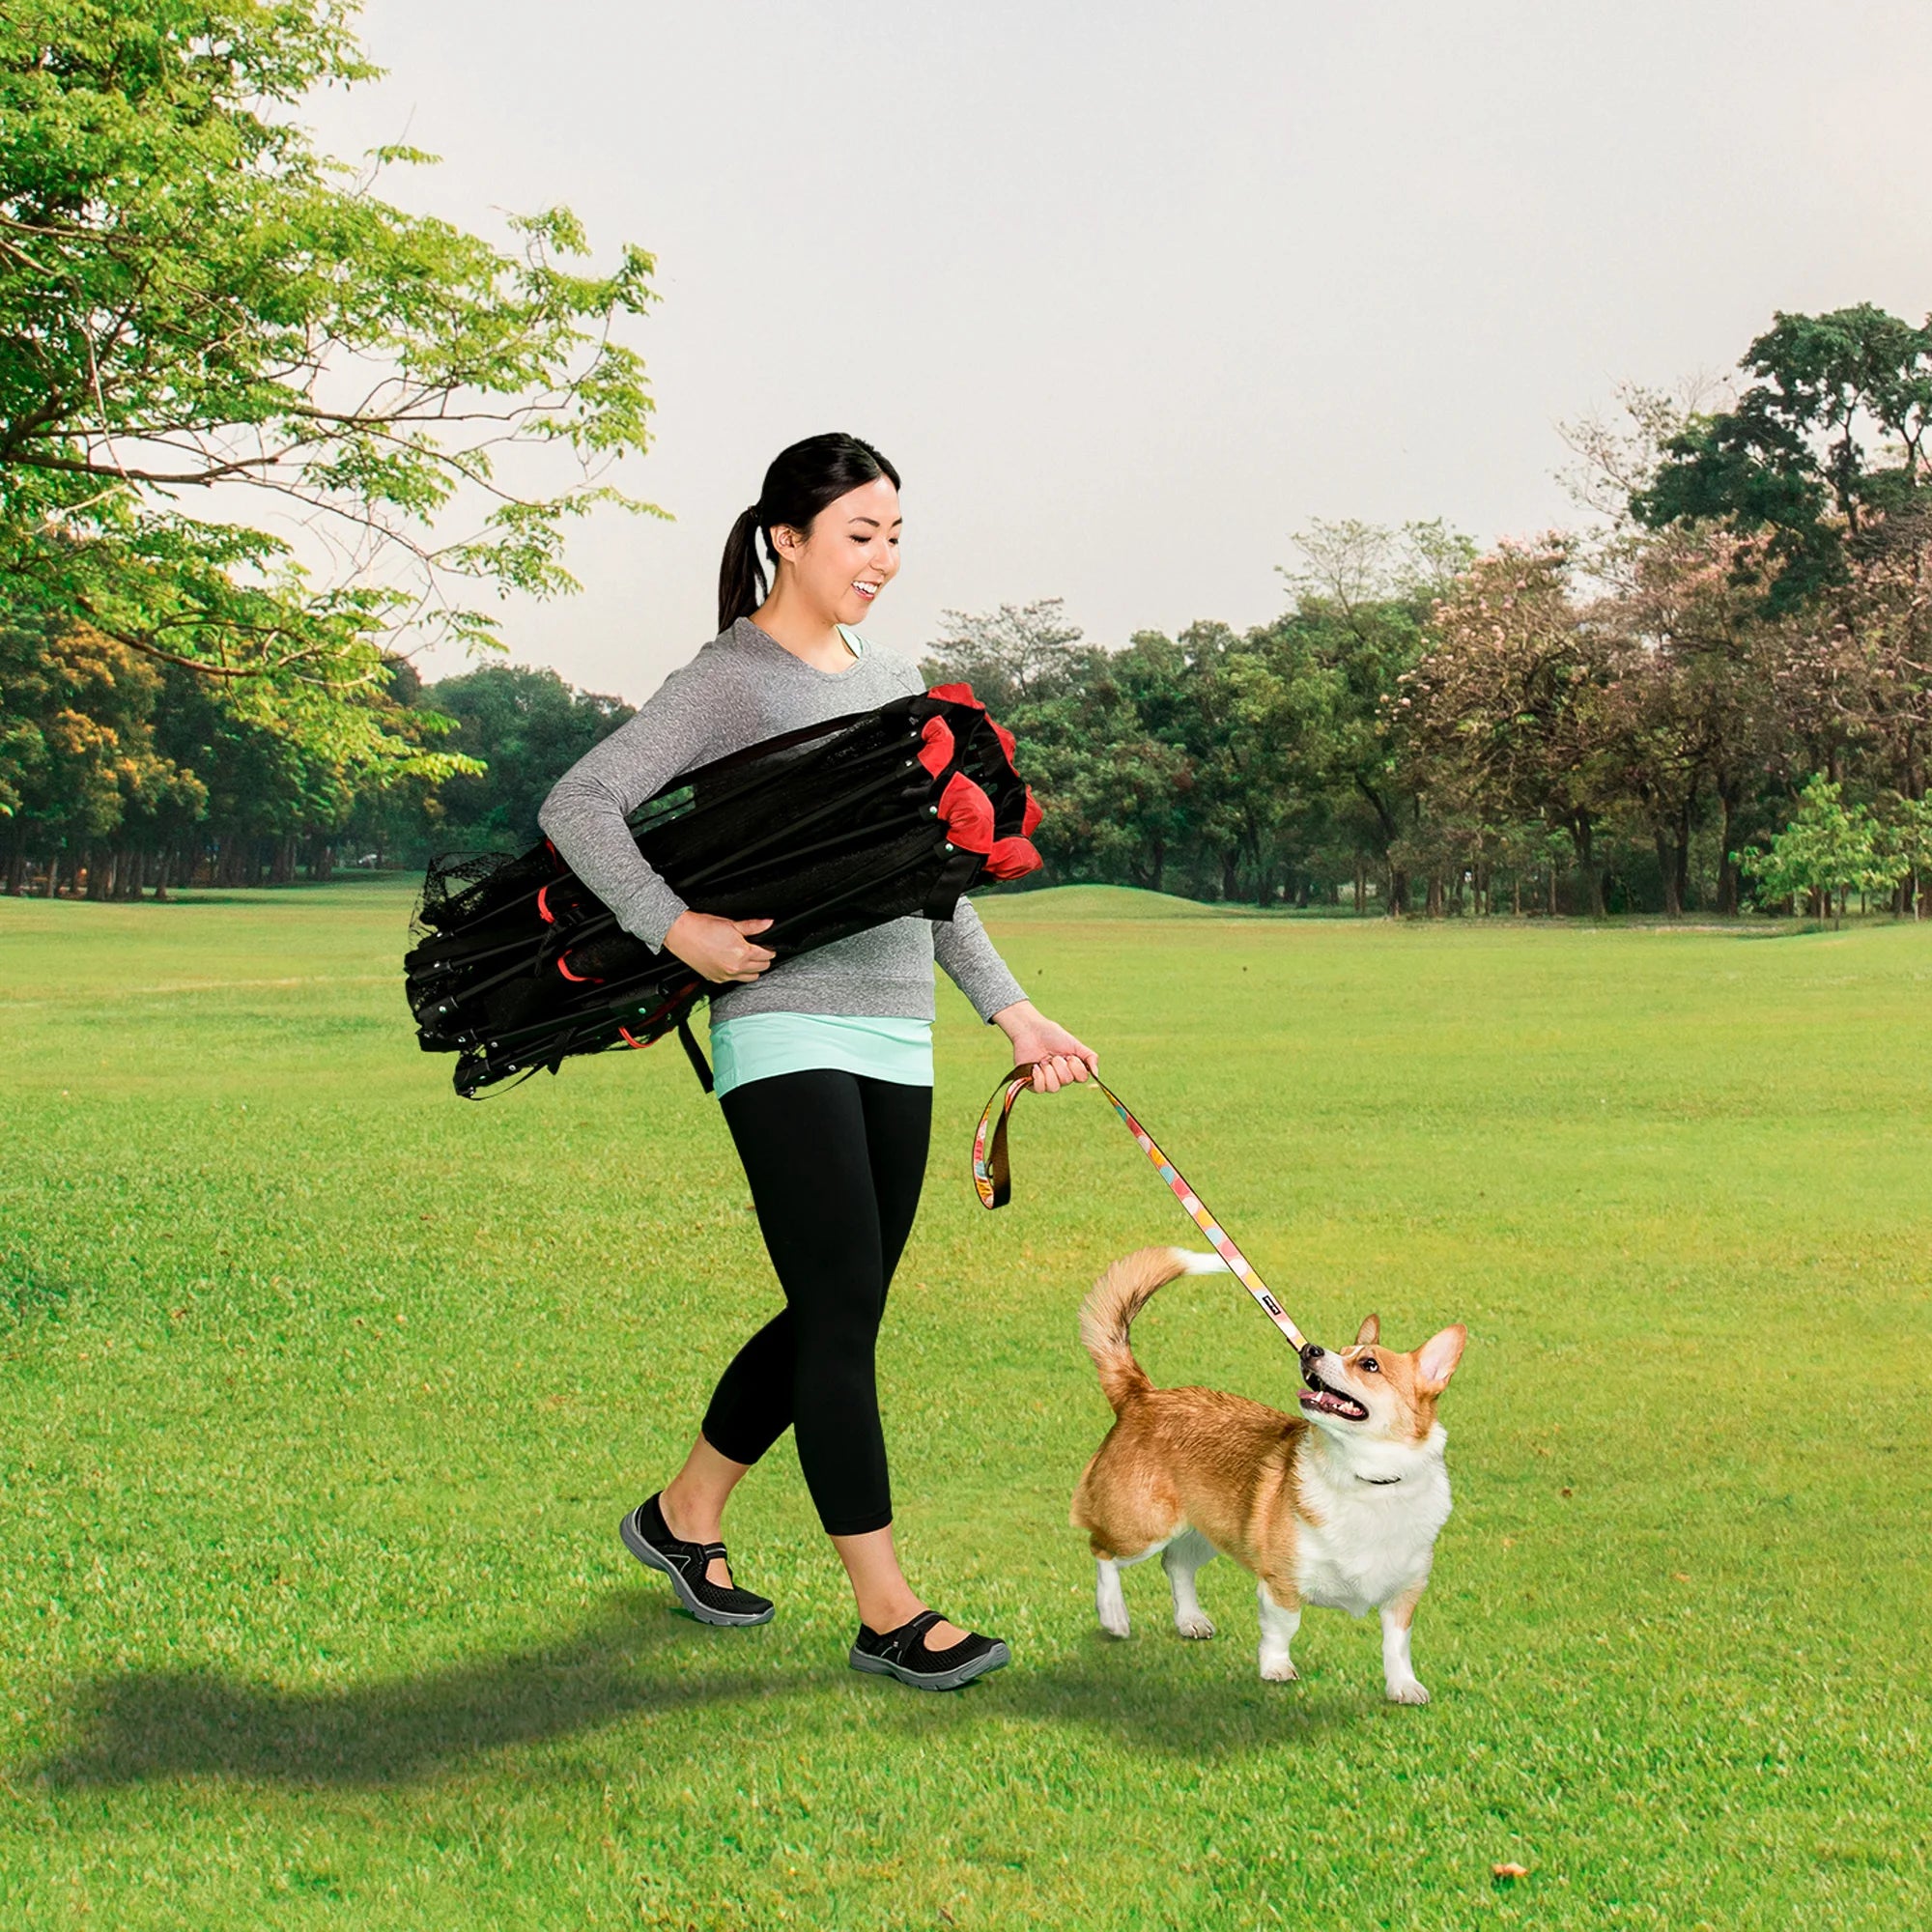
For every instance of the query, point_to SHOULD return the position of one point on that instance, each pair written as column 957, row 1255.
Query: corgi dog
column 1338, row 1505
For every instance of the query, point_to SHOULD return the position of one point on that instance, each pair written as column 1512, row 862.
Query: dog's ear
column 1370, row 1330
column 1435, row 1360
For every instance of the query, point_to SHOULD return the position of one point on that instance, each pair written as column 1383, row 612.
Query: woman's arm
column 583, row 816
column 972, row 962
column 963, row 946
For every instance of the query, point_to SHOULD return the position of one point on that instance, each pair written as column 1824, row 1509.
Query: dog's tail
column 1113, row 1303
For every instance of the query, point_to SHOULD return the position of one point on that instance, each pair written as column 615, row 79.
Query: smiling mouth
column 1318, row 1396
column 867, row 590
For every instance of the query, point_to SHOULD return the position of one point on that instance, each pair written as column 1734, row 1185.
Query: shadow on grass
column 1180, row 1699
column 162, row 1725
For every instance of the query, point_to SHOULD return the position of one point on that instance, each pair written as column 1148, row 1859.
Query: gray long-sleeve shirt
column 741, row 689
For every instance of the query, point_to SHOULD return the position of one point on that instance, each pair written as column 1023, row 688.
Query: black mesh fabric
column 825, row 831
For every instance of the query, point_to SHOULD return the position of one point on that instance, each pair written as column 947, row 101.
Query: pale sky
column 1129, row 292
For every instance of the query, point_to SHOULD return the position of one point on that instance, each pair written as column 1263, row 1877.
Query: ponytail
column 800, row 483
column 741, row 578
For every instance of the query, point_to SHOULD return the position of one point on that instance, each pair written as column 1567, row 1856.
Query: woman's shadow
column 162, row 1725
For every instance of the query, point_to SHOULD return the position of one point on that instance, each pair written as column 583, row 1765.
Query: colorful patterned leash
column 992, row 1179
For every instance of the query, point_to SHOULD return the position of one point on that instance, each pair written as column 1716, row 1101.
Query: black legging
column 835, row 1162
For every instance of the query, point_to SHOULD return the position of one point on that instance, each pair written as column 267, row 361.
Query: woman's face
column 852, row 551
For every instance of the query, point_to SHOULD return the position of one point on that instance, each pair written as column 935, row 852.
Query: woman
column 823, row 1064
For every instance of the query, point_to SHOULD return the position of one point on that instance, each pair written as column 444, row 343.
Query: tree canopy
column 1827, row 444
column 207, row 323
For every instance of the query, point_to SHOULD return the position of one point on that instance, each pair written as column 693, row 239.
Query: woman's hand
column 719, row 948
column 1057, row 1058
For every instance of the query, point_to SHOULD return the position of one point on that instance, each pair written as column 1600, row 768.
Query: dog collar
column 1379, row 1482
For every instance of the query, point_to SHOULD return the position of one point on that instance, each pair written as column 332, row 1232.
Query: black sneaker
column 902, row 1654
column 648, row 1538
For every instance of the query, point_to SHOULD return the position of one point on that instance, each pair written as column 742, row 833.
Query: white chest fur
column 1377, row 1518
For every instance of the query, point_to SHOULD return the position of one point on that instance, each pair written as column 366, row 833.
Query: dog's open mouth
column 1318, row 1395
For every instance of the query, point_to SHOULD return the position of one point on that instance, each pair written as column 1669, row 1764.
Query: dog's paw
column 1195, row 1626
column 1114, row 1627
column 1410, row 1692
column 1279, row 1670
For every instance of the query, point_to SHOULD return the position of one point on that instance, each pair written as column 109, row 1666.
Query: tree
column 1828, row 444
column 77, row 754
column 1827, row 847
column 1018, row 653
column 194, row 301
column 1692, row 706
column 1905, row 847
column 523, row 726
column 1363, row 594
column 1506, row 718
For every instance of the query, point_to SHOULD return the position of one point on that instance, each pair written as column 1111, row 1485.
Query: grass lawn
column 321, row 1394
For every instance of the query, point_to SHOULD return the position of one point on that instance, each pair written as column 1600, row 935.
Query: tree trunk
column 1727, row 871
column 1666, row 868
column 1361, row 886
column 1398, row 892
column 167, row 853
column 1582, row 835
column 53, row 873
column 1230, row 884
column 17, row 864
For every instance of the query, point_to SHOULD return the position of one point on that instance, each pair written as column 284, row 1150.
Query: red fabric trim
column 936, row 751
column 582, row 978
column 640, row 1044
column 967, row 814
column 1011, row 859
column 956, row 693
column 543, row 896
column 1030, row 819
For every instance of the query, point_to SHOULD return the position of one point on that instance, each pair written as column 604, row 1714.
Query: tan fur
column 1401, row 1608
column 1109, row 1310
column 1249, row 1478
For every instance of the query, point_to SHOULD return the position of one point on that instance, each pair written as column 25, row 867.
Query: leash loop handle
column 993, row 1182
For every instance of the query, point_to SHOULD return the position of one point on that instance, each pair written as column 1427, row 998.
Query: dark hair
column 801, row 481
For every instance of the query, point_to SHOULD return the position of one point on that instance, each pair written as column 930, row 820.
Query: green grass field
column 324, row 1392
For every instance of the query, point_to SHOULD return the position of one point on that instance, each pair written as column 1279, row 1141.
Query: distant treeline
column 1486, row 740
column 1720, row 697
column 120, row 776
column 1501, row 739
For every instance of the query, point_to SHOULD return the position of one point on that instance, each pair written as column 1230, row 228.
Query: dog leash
column 992, row 1180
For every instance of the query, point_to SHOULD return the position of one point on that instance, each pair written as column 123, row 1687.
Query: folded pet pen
column 825, row 831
